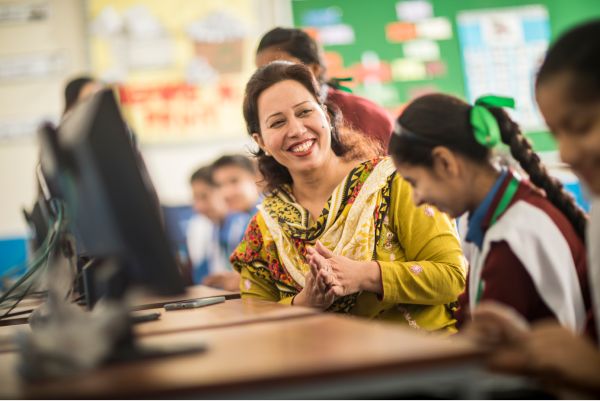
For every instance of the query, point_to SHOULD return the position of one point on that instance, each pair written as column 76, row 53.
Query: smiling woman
column 337, row 229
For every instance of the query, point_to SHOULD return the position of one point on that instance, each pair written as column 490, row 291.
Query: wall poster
column 502, row 50
column 180, row 66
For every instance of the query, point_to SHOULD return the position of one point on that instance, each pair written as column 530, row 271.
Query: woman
column 568, row 94
column 295, row 45
column 377, row 255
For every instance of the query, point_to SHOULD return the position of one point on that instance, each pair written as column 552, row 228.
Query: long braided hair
column 445, row 119
column 521, row 151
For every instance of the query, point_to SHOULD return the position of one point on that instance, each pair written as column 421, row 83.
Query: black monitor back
column 107, row 195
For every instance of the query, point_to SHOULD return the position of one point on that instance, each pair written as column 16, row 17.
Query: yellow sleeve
column 434, row 270
column 250, row 260
column 257, row 286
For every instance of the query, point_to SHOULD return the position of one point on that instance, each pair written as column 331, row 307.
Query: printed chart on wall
column 502, row 49
column 180, row 66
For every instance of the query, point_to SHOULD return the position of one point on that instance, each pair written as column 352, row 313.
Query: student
column 524, row 250
column 295, row 45
column 236, row 177
column 78, row 89
column 568, row 94
column 213, row 234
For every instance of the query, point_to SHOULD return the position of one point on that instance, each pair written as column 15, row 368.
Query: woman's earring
column 267, row 154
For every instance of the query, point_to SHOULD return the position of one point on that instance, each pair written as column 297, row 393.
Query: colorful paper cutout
column 435, row 29
column 436, row 69
column 384, row 94
column 334, row 64
column 322, row 16
column 421, row 49
column 414, row 10
column 361, row 74
column 404, row 69
column 341, row 34
column 397, row 32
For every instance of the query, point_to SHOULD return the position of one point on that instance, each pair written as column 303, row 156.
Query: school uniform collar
column 480, row 219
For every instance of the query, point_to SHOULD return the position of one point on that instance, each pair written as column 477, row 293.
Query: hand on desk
column 229, row 281
column 546, row 351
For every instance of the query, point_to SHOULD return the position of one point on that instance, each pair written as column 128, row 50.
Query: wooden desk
column 322, row 356
column 193, row 292
column 24, row 306
column 232, row 312
column 229, row 313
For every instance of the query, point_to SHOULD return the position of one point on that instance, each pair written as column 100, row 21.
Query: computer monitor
column 107, row 194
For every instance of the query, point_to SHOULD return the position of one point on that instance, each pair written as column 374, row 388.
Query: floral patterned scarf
column 349, row 225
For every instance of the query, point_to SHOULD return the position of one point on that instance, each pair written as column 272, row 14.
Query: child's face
column 208, row 201
column 576, row 126
column 238, row 187
column 429, row 187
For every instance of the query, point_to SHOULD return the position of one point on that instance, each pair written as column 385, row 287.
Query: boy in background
column 236, row 177
column 213, row 234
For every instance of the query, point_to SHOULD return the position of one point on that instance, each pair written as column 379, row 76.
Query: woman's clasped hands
column 333, row 276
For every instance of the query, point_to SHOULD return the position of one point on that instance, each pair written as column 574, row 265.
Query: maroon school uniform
column 364, row 115
column 521, row 270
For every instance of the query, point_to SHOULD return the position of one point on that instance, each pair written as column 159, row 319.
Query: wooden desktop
column 257, row 349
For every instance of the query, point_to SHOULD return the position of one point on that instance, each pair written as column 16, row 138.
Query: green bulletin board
column 368, row 20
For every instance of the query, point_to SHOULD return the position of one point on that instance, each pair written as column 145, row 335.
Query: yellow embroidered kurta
column 422, row 266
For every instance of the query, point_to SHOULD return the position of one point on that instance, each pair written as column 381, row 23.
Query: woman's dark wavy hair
column 345, row 143
column 446, row 119
column 577, row 52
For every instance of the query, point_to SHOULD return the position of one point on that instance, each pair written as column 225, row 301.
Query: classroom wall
column 171, row 166
column 23, row 102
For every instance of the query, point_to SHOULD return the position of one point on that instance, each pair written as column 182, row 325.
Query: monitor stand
column 105, row 278
column 66, row 340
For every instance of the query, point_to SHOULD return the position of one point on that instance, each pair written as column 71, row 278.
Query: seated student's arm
column 463, row 313
column 434, row 272
column 250, row 260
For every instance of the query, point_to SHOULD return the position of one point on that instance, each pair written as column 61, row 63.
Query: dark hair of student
column 345, row 143
column 446, row 120
column 235, row 160
column 203, row 174
column 72, row 91
column 298, row 44
column 577, row 52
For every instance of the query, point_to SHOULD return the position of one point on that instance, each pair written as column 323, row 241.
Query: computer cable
column 16, row 303
column 30, row 260
column 38, row 263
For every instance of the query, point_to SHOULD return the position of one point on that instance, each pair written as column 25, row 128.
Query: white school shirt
column 593, row 250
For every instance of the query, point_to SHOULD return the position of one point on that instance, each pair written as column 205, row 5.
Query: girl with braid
column 525, row 250
column 568, row 94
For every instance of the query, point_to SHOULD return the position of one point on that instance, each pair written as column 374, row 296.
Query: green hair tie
column 485, row 126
